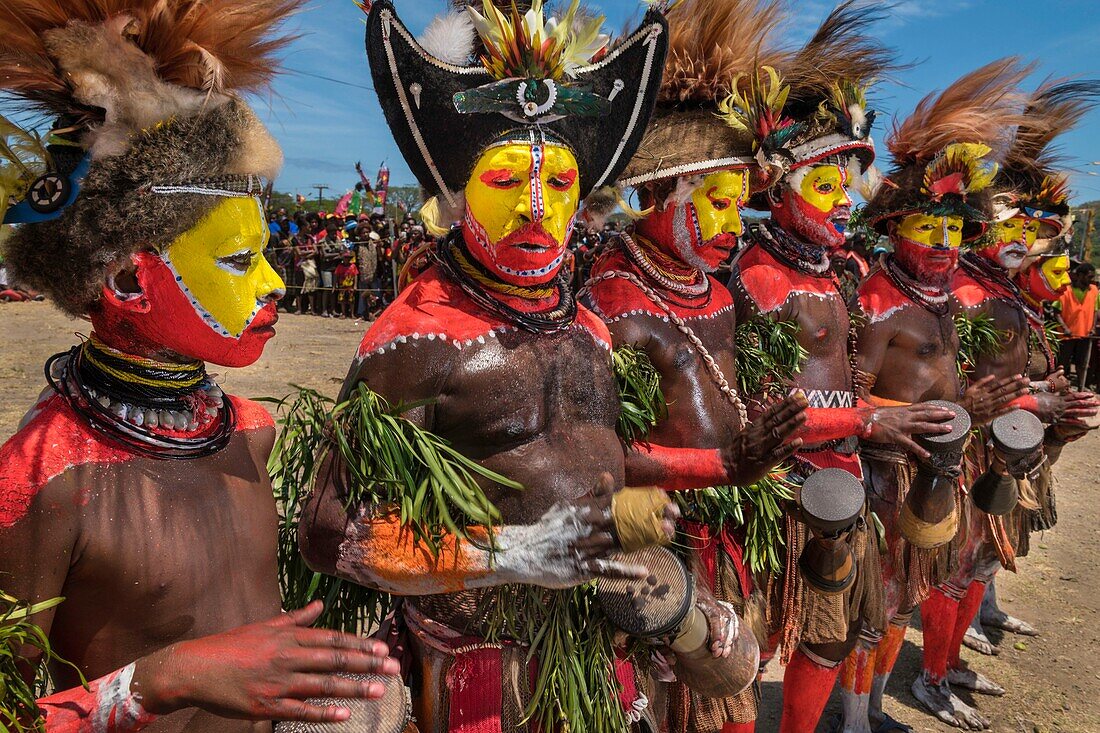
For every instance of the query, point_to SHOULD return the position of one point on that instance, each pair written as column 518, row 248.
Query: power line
column 329, row 79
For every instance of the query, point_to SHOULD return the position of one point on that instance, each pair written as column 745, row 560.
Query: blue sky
column 325, row 126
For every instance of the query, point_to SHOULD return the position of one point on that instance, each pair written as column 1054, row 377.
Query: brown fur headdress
column 945, row 152
column 713, row 46
column 147, row 92
column 1032, row 176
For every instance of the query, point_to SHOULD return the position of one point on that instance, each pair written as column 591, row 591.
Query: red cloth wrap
column 474, row 681
column 705, row 544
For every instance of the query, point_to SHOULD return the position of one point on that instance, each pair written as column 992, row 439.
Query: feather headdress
column 151, row 132
column 714, row 46
column 117, row 66
column 810, row 104
column 1032, row 177
column 945, row 152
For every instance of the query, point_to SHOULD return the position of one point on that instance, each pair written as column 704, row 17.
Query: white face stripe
column 538, row 201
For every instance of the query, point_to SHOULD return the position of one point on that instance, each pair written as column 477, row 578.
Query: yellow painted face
column 1056, row 272
column 518, row 184
column 932, row 231
column 1019, row 228
column 718, row 203
column 219, row 264
column 823, row 187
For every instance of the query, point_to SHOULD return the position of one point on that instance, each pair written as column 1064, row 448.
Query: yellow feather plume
column 532, row 46
column 23, row 158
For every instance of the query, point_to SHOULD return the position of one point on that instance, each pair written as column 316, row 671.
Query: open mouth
column 840, row 221
column 532, row 247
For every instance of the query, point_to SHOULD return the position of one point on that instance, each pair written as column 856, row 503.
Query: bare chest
column 167, row 551
column 699, row 413
column 540, row 409
column 920, row 362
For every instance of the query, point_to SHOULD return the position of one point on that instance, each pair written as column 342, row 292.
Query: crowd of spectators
column 348, row 267
column 339, row 267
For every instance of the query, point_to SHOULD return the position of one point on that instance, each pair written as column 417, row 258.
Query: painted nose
column 531, row 205
column 271, row 287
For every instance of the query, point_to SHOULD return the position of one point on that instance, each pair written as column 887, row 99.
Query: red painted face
column 928, row 265
column 521, row 203
column 702, row 230
column 1046, row 279
column 209, row 296
column 927, row 246
column 161, row 320
column 814, row 205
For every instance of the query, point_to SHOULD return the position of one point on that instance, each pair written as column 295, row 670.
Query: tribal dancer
column 1030, row 203
column 817, row 133
column 488, row 356
column 1035, row 199
column 933, row 201
column 135, row 487
column 655, row 291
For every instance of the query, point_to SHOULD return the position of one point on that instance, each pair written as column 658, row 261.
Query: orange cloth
column 1079, row 316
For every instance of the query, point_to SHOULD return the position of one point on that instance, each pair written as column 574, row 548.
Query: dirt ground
column 1053, row 681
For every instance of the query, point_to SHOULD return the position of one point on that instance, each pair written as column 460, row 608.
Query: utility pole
column 321, row 188
column 1089, row 224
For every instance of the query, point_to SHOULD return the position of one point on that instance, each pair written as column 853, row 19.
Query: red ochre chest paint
column 433, row 308
column 56, row 440
column 617, row 297
column 771, row 283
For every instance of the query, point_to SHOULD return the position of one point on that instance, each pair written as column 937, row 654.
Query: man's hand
column 765, row 442
column 990, row 397
column 1049, row 406
column 264, row 671
column 898, row 425
column 1058, row 380
column 722, row 621
column 1080, row 408
column 571, row 543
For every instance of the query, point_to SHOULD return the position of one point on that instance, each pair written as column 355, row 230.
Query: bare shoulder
column 764, row 281
column 51, row 447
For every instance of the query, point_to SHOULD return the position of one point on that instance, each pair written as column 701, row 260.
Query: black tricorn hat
column 601, row 114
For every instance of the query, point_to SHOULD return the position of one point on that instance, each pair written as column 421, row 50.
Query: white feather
column 450, row 38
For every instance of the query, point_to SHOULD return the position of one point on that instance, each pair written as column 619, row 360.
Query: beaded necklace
column 697, row 285
column 153, row 408
column 934, row 300
column 550, row 320
column 791, row 252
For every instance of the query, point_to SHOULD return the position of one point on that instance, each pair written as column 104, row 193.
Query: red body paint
column 968, row 609
column 938, row 614
column 770, row 283
column 676, row 469
column 829, row 423
column 105, row 707
column 879, row 298
column 886, row 655
column 806, row 688
column 971, row 293
column 616, row 298
column 56, row 440
column 433, row 307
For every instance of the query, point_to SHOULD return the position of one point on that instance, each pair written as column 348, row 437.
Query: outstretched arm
column 370, row 545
